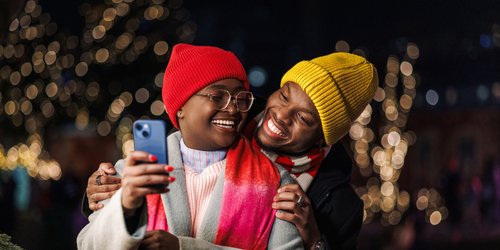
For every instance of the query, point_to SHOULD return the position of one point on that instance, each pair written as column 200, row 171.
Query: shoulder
column 286, row 177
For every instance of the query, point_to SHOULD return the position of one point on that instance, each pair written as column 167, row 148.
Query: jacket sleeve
column 349, row 231
column 341, row 223
column 107, row 228
column 284, row 234
column 85, row 206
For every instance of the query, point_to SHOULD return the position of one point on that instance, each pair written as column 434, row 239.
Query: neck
column 198, row 160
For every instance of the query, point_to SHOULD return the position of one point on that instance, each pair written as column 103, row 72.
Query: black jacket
column 337, row 208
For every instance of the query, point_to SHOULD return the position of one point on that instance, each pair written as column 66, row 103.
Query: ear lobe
column 180, row 114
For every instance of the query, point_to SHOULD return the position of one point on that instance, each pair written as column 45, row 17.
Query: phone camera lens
column 138, row 126
column 145, row 133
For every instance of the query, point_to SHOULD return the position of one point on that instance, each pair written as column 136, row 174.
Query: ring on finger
column 98, row 180
column 300, row 201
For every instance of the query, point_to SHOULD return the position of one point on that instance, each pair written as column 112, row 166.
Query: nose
column 283, row 115
column 232, row 108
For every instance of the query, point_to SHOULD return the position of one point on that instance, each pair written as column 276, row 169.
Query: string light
column 387, row 156
column 47, row 75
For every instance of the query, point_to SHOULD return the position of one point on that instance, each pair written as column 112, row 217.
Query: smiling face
column 203, row 127
column 291, row 122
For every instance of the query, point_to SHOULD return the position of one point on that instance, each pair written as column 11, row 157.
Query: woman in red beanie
column 219, row 176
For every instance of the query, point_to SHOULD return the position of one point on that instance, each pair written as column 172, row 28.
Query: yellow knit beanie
column 340, row 85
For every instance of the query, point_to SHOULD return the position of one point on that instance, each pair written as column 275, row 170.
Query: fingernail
column 171, row 179
column 169, row 168
column 274, row 204
column 153, row 158
column 279, row 190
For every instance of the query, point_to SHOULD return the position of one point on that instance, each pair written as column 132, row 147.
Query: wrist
column 320, row 244
column 129, row 208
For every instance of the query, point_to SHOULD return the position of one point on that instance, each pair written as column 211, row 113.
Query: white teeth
column 274, row 129
column 223, row 123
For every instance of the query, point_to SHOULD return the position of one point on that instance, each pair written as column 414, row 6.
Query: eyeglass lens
column 222, row 98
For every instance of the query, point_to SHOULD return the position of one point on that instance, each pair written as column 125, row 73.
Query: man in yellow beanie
column 300, row 126
column 314, row 108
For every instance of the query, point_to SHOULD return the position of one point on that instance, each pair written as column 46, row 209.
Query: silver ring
column 98, row 180
column 300, row 201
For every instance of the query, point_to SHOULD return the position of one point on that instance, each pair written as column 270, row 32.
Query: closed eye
column 303, row 119
column 283, row 96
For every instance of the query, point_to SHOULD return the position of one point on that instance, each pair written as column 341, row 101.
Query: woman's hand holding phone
column 142, row 176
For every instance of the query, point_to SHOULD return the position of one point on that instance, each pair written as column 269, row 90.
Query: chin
column 226, row 142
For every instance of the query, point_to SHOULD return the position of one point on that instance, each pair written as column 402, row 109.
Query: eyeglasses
column 243, row 100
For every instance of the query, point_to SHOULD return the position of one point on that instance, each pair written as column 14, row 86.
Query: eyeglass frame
column 232, row 98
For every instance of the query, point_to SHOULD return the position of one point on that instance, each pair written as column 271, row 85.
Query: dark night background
column 457, row 151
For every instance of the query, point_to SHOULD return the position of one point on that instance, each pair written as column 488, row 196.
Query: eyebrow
column 303, row 109
column 220, row 86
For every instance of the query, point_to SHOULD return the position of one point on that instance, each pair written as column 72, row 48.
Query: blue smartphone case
column 150, row 136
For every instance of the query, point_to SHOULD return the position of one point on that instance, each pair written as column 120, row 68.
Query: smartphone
column 150, row 136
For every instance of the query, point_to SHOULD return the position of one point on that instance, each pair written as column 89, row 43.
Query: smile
column 274, row 129
column 223, row 123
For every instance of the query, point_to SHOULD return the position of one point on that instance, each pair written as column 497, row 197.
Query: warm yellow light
column 161, row 48
column 109, row 14
column 435, row 218
column 104, row 128
column 102, row 55
column 406, row 68
column 387, row 189
column 15, row 78
column 157, row 108
column 50, row 57
column 159, row 79
column 342, row 46
column 393, row 64
column 391, row 80
column 81, row 69
column 412, row 51
column 127, row 98
column 356, row 131
column 393, row 138
column 98, row 32
column 387, row 204
column 422, row 202
column 26, row 69
column 394, row 217
column 51, row 89
column 82, row 119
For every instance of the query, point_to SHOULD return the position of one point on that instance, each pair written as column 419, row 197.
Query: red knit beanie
column 192, row 68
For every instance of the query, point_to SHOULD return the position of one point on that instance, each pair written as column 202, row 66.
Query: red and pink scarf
column 303, row 168
column 251, row 181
